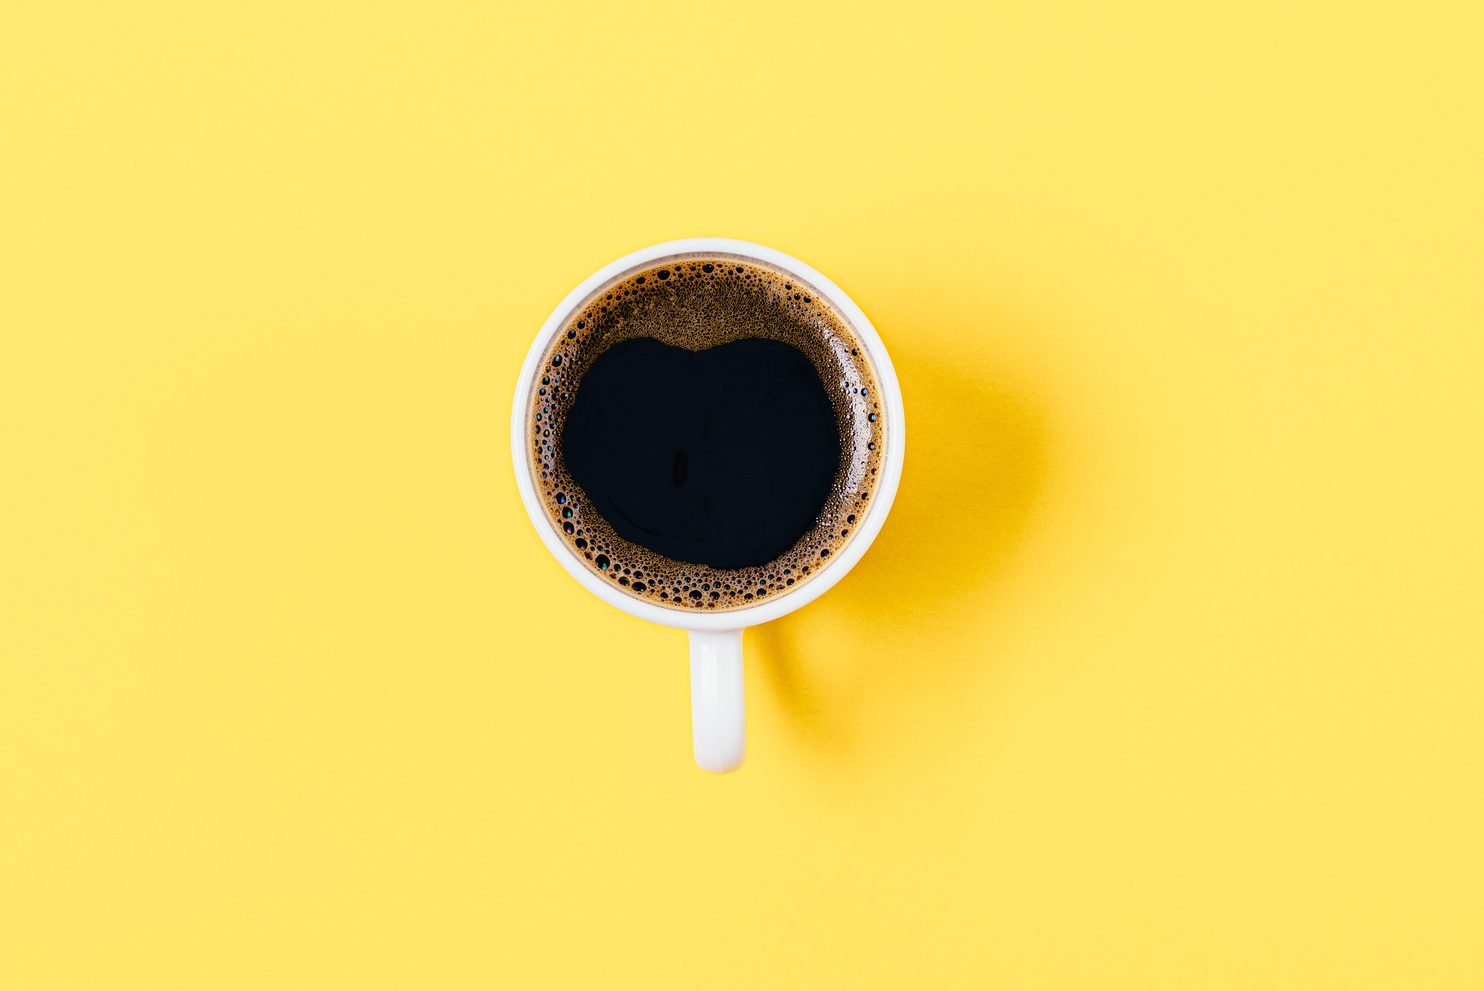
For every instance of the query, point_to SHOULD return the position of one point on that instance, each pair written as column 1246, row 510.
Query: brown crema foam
column 698, row 302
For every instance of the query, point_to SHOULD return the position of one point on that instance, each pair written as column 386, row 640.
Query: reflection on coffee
column 706, row 432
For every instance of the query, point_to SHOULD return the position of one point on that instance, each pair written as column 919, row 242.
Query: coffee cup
column 667, row 539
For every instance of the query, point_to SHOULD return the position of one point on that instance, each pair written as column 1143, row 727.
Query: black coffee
column 734, row 480
column 706, row 432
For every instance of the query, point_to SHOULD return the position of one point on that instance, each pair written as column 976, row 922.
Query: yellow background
column 1165, row 673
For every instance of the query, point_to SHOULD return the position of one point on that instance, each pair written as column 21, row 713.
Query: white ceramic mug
column 716, row 637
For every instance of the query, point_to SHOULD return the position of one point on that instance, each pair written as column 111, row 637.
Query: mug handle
column 718, row 732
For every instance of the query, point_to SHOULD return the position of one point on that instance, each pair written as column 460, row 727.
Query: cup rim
column 882, row 495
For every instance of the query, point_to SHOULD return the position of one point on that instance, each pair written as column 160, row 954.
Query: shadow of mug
column 975, row 468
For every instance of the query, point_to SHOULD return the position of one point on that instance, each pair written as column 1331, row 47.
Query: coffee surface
column 705, row 432
column 734, row 480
